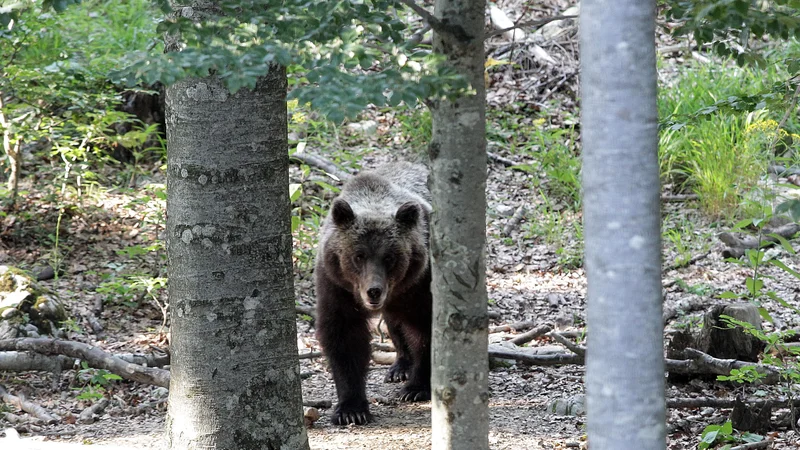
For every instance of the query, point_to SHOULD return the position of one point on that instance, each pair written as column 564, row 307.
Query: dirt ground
column 526, row 280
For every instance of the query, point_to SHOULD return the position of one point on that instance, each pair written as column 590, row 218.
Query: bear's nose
column 374, row 293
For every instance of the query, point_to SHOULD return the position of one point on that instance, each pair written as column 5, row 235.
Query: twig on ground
column 321, row 163
column 738, row 243
column 693, row 260
column 93, row 356
column 30, row 408
column 528, row 336
column 515, row 220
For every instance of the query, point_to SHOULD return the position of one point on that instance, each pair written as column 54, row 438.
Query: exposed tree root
column 30, row 408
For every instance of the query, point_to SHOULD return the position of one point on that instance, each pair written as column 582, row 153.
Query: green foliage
column 719, row 129
column 730, row 26
column 343, row 55
column 96, row 382
column 724, row 434
column 53, row 77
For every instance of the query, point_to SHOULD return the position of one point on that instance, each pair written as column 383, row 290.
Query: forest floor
column 533, row 274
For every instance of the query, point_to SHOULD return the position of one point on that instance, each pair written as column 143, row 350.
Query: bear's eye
column 358, row 258
column 388, row 259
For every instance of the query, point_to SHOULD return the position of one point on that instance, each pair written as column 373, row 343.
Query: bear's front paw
column 415, row 394
column 399, row 371
column 351, row 415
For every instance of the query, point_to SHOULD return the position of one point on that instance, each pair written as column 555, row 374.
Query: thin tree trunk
column 459, row 381
column 235, row 380
column 625, row 362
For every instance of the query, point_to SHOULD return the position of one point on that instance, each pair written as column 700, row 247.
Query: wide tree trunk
column 235, row 378
column 459, row 381
column 625, row 361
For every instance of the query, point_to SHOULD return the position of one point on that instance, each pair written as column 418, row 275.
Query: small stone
column 9, row 313
column 554, row 299
column 504, row 210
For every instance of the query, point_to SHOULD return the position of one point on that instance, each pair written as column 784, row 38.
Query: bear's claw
column 414, row 394
column 399, row 371
column 346, row 417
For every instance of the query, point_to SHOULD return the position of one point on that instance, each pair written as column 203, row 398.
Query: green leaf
column 754, row 286
column 785, row 268
column 765, row 315
column 295, row 191
column 729, row 295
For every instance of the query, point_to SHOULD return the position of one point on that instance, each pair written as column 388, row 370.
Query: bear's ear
column 407, row 215
column 343, row 215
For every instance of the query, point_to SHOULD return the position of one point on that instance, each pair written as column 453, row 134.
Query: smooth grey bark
column 235, row 376
column 459, row 381
column 625, row 358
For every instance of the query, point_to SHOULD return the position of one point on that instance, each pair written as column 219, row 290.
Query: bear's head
column 377, row 256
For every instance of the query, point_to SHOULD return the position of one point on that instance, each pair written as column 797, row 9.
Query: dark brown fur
column 373, row 258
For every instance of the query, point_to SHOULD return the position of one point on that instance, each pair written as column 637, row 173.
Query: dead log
column 720, row 341
column 321, row 163
column 685, row 305
column 30, row 408
column 94, row 357
column 494, row 157
column 309, row 355
column 752, row 418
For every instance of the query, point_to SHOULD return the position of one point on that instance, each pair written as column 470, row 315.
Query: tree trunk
column 459, row 381
column 625, row 362
column 235, row 376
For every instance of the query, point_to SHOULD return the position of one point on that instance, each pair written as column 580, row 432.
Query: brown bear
column 372, row 259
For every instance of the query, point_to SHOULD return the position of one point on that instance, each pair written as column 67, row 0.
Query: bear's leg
column 343, row 332
column 418, row 386
column 401, row 369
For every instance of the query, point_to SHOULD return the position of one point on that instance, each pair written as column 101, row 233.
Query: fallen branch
column 516, row 326
column 678, row 197
column 515, row 220
column 321, row 163
column 94, row 357
column 151, row 360
column 24, row 361
column 88, row 414
column 702, row 363
column 30, row 408
column 494, row 157
column 714, row 402
column 557, row 359
column 528, row 336
column 571, row 346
